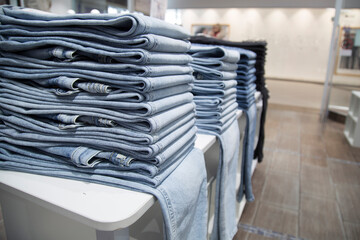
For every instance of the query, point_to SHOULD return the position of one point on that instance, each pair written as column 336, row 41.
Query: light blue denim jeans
column 150, row 42
column 214, row 64
column 208, row 73
column 182, row 204
column 128, row 110
column 248, row 155
column 225, row 222
column 156, row 153
column 213, row 102
column 150, row 124
column 247, row 62
column 127, row 25
column 209, row 85
column 12, row 59
column 210, row 115
column 206, row 53
column 76, row 89
column 125, row 82
column 99, row 53
column 217, row 108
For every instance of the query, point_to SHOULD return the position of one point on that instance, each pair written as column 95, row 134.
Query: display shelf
column 77, row 204
column 353, row 117
column 352, row 126
column 76, row 199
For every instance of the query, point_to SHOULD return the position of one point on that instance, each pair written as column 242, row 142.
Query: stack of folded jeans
column 258, row 47
column 214, row 87
column 245, row 96
column 246, row 86
column 103, row 98
column 215, row 97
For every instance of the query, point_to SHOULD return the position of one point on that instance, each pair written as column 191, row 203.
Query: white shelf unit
column 352, row 126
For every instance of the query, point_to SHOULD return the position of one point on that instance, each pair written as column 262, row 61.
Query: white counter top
column 81, row 200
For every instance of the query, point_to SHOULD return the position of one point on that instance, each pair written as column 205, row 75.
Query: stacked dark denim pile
column 214, row 87
column 260, row 48
column 102, row 98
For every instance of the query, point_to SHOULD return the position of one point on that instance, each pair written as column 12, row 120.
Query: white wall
column 298, row 39
column 260, row 4
column 61, row 6
column 295, row 94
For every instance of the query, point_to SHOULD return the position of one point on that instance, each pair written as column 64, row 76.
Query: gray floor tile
column 352, row 231
column 339, row 151
column 249, row 212
column 291, row 144
column 285, row 161
column 349, row 202
column 241, row 235
column 282, row 189
column 314, row 161
column 313, row 151
column 342, row 173
column 258, row 180
column 315, row 181
column 253, row 236
column 276, row 219
column 319, row 219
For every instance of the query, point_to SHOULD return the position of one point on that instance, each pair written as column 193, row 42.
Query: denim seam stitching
column 170, row 209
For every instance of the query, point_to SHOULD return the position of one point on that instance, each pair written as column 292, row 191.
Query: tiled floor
column 308, row 185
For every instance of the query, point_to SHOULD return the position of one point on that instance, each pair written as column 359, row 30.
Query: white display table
column 41, row 207
column 92, row 211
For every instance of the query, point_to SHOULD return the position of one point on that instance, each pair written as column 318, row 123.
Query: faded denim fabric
column 181, row 206
column 11, row 59
column 218, row 108
column 106, row 99
column 148, row 42
column 123, row 81
column 214, row 87
column 127, row 25
column 248, row 155
column 218, row 65
column 79, row 90
column 206, row 53
column 225, row 222
column 108, row 55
